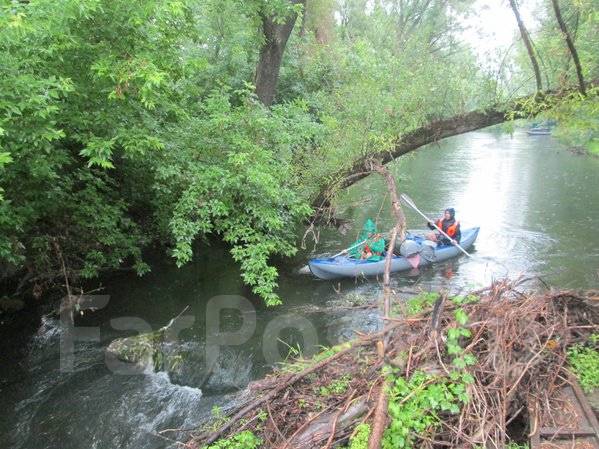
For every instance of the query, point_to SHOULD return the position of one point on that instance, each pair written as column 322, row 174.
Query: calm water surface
column 538, row 209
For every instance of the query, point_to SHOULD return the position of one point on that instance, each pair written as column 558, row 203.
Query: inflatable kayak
column 339, row 267
column 539, row 132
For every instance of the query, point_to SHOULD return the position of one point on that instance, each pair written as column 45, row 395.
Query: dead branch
column 519, row 341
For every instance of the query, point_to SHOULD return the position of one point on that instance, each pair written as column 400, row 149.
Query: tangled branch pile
column 455, row 374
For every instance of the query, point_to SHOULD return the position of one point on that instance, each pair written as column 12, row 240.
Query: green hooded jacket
column 376, row 246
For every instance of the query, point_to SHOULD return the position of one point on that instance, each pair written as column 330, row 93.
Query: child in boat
column 449, row 225
column 374, row 248
column 370, row 245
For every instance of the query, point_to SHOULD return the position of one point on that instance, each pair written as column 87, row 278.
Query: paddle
column 355, row 245
column 306, row 270
column 410, row 203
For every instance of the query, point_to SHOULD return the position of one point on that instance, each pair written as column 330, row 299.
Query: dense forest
column 130, row 125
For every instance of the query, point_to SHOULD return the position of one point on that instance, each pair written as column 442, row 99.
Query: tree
column 570, row 43
column 528, row 44
column 81, row 88
column 319, row 18
column 277, row 27
column 410, row 14
column 124, row 124
column 113, row 136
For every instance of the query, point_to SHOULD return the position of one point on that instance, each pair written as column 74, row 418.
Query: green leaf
column 461, row 317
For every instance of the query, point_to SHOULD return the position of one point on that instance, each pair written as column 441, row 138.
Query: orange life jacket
column 451, row 230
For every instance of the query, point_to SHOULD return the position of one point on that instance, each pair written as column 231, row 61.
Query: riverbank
column 457, row 371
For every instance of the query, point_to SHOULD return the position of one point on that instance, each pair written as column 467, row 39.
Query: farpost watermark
column 215, row 337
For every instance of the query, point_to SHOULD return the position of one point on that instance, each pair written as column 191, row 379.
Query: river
column 536, row 203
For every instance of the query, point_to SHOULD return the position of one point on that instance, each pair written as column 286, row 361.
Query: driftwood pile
column 519, row 340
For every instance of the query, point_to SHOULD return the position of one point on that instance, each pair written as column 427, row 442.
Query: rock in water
column 147, row 351
column 138, row 350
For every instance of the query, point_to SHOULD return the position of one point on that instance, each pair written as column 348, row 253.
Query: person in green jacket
column 370, row 245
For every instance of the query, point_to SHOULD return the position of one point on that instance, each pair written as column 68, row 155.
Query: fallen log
column 330, row 425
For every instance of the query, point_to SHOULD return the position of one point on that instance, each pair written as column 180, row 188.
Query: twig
column 380, row 419
column 275, row 424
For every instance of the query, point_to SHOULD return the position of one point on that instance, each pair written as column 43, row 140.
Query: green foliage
column 415, row 406
column 460, row 300
column 127, row 123
column 578, row 120
column 299, row 364
column 217, row 420
column 4, row 159
column 379, row 78
column 582, row 20
column 421, row 302
column 513, row 445
column 584, row 361
column 338, row 386
column 325, row 353
column 116, row 130
column 262, row 416
column 242, row 187
column 577, row 116
column 461, row 359
column 80, row 82
column 243, row 440
column 360, row 438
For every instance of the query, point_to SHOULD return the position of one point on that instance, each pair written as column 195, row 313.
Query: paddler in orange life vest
column 449, row 225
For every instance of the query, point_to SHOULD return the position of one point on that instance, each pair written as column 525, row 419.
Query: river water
column 536, row 203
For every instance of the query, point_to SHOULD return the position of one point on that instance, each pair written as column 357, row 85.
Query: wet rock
column 149, row 350
column 231, row 371
column 342, row 328
column 138, row 350
column 185, row 362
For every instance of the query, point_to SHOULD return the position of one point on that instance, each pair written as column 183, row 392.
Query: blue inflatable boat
column 342, row 266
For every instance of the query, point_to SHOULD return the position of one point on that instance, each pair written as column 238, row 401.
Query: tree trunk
column 320, row 18
column 527, row 44
column 271, row 55
column 426, row 134
column 398, row 230
column 571, row 47
column 380, row 413
column 411, row 14
column 380, row 419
